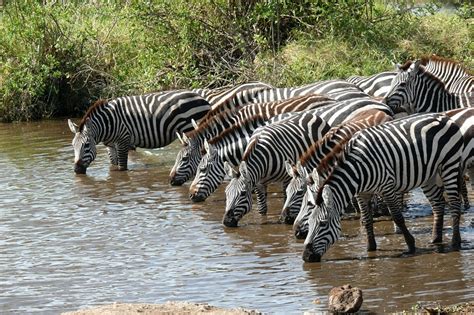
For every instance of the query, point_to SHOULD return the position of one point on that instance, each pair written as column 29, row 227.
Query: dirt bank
column 159, row 309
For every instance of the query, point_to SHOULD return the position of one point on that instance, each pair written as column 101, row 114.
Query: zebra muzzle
column 309, row 255
column 229, row 220
column 80, row 168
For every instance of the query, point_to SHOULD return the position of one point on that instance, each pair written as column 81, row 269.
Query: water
column 68, row 242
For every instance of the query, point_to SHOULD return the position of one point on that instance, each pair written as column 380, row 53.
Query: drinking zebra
column 229, row 146
column 423, row 92
column 145, row 121
column 316, row 154
column 377, row 85
column 263, row 159
column 232, row 141
column 188, row 157
column 421, row 150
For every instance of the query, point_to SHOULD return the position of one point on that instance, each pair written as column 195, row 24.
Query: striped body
column 263, row 160
column 423, row 92
column 210, row 171
column 188, row 158
column 145, row 121
column 455, row 78
column 419, row 151
column 312, row 158
column 377, row 85
column 229, row 145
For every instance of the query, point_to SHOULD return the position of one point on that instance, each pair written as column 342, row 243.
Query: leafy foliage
column 57, row 58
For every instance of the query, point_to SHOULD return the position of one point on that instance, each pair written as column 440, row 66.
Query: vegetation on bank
column 55, row 59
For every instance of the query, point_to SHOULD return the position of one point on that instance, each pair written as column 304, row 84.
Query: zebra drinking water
column 144, row 121
column 422, row 150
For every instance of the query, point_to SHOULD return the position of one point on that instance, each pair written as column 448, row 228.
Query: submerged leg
column 261, row 192
column 366, row 219
column 438, row 203
column 394, row 206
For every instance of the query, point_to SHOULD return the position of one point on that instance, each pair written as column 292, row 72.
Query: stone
column 345, row 299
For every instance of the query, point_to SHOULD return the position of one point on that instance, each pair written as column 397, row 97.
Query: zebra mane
column 422, row 70
column 91, row 110
column 211, row 116
column 360, row 121
column 250, row 147
column 259, row 118
column 437, row 59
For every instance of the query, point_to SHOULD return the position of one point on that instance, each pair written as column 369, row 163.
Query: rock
column 345, row 299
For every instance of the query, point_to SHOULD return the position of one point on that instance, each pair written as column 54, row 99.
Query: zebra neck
column 345, row 183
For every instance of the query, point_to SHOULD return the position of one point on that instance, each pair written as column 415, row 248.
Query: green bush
column 55, row 59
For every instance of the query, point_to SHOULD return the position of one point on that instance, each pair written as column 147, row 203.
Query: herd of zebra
column 331, row 144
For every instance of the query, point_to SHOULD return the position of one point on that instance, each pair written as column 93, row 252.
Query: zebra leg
column 464, row 194
column 112, row 152
column 122, row 156
column 366, row 220
column 438, row 203
column 452, row 193
column 394, row 206
column 261, row 192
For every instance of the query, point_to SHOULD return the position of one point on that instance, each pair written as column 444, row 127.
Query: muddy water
column 70, row 241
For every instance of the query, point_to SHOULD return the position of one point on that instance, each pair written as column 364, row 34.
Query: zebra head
column 186, row 160
column 398, row 98
column 301, row 226
column 209, row 175
column 83, row 144
column 294, row 192
column 238, row 195
column 324, row 226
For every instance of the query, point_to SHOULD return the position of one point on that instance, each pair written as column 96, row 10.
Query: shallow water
column 69, row 242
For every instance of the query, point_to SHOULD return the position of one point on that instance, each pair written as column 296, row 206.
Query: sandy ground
column 195, row 308
column 160, row 309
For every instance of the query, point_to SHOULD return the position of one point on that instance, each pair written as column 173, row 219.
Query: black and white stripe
column 418, row 151
column 377, row 85
column 188, row 157
column 145, row 121
column 423, row 92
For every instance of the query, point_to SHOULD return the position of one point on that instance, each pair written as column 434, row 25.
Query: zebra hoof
column 371, row 247
column 437, row 240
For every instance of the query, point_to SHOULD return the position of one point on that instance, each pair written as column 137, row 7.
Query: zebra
column 464, row 118
column 454, row 76
column 145, row 121
column 210, row 171
column 188, row 157
column 423, row 92
column 316, row 153
column 421, row 150
column 377, row 85
column 222, row 95
column 274, row 143
column 230, row 144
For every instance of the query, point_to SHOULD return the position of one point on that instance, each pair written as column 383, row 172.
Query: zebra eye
column 323, row 223
column 185, row 158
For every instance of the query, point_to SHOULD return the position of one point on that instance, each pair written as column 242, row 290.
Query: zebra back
column 376, row 85
column 456, row 78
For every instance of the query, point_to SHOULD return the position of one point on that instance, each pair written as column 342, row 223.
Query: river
column 71, row 241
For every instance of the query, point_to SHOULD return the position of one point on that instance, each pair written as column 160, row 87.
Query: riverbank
column 197, row 308
column 159, row 309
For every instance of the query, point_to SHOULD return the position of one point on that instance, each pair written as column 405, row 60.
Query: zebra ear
column 230, row 170
column 328, row 197
column 243, row 169
column 74, row 128
column 289, row 168
column 185, row 139
column 195, row 125
column 301, row 170
column 207, row 147
column 179, row 138
column 316, row 178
